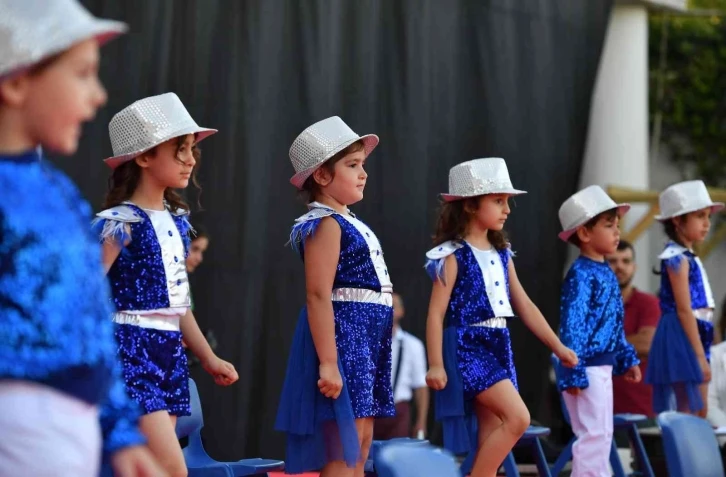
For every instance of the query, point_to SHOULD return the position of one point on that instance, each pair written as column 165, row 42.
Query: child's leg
column 158, row 427
column 365, row 437
column 338, row 468
column 504, row 402
column 703, row 388
column 591, row 417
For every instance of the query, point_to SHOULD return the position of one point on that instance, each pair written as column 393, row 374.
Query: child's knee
column 518, row 421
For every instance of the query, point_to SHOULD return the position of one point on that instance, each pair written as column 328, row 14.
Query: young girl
column 58, row 368
column 145, row 236
column 678, row 362
column 342, row 343
column 477, row 290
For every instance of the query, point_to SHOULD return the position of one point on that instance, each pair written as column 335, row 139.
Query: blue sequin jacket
column 146, row 275
column 591, row 322
column 700, row 290
column 54, row 298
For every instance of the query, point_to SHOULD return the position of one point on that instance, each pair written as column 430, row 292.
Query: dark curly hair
column 454, row 219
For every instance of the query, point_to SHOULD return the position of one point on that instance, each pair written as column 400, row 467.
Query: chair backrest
column 185, row 425
column 405, row 460
column 690, row 446
column 556, row 366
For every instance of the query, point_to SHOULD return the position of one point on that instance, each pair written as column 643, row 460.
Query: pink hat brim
column 566, row 234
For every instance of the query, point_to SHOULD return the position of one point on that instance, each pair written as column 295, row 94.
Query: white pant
column 591, row 417
column 46, row 433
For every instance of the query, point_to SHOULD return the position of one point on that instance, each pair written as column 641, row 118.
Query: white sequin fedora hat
column 479, row 177
column 320, row 142
column 583, row 206
column 33, row 30
column 147, row 123
column 685, row 197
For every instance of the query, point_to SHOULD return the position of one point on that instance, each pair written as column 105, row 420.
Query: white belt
column 497, row 322
column 362, row 295
column 156, row 322
column 705, row 314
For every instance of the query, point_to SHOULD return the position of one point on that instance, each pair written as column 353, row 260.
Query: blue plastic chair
column 531, row 439
column 198, row 461
column 405, row 460
column 620, row 421
column 376, row 446
column 690, row 445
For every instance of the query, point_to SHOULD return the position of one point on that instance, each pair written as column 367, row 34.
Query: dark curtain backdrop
column 441, row 81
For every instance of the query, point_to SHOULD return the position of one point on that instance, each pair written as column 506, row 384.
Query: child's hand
column 136, row 461
column 436, row 378
column 573, row 391
column 633, row 375
column 223, row 372
column 567, row 357
column 330, row 382
column 705, row 369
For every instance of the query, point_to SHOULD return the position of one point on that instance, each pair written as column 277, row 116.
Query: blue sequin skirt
column 673, row 368
column 154, row 368
column 321, row 430
column 475, row 358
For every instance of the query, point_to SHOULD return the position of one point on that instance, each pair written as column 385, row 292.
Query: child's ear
column 322, row 176
column 143, row 160
column 583, row 234
column 15, row 90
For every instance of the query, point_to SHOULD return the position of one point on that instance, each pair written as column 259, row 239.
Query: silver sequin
column 583, row 206
column 362, row 295
column 320, row 142
column 32, row 30
column 497, row 322
column 479, row 177
column 147, row 123
column 685, row 197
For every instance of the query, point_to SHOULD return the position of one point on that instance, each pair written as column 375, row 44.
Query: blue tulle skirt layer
column 673, row 368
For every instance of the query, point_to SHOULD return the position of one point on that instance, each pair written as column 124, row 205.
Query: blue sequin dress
column 319, row 429
column 54, row 297
column 591, row 322
column 150, row 291
column 673, row 368
column 476, row 346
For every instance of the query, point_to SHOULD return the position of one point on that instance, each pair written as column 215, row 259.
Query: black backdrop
column 441, row 81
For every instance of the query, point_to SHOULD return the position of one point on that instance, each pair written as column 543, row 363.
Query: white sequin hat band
column 147, row 123
column 320, row 142
column 33, row 30
column 685, row 197
column 479, row 177
column 583, row 206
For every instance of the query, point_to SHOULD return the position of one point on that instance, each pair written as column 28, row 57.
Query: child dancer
column 678, row 362
column 477, row 291
column 58, row 367
column 591, row 323
column 339, row 371
column 145, row 236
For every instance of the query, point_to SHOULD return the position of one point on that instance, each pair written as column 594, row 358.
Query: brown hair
column 669, row 227
column 310, row 188
column 454, row 219
column 608, row 215
column 125, row 179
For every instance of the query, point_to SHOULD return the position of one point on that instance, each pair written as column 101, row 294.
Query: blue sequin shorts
column 154, row 368
column 484, row 358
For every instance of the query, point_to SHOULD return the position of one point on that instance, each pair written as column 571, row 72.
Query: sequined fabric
column 685, row 197
column 591, row 322
column 696, row 284
column 361, row 263
column 138, row 277
column 321, row 429
column 485, row 357
column 584, row 205
column 54, row 299
column 148, row 122
column 479, row 177
column 32, row 30
column 321, row 141
column 154, row 369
